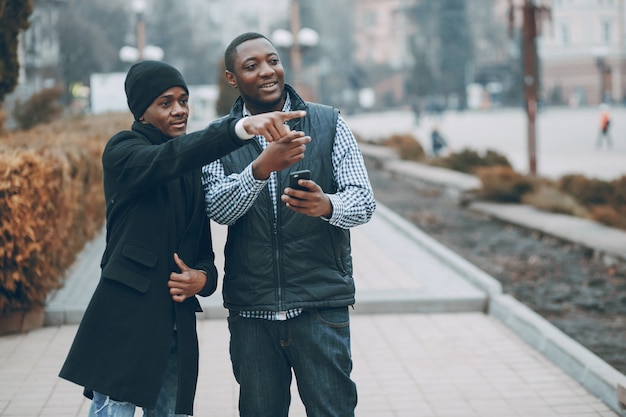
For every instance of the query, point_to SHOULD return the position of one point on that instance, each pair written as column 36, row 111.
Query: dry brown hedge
column 577, row 195
column 501, row 183
column 51, row 203
column 407, row 146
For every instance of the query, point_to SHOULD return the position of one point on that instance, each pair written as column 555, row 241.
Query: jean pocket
column 334, row 317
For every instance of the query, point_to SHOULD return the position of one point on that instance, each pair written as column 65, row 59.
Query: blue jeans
column 316, row 345
column 104, row 406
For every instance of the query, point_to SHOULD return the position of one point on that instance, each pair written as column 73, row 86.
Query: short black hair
column 229, row 55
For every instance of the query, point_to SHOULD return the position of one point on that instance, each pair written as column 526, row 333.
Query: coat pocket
column 132, row 269
column 140, row 255
column 128, row 276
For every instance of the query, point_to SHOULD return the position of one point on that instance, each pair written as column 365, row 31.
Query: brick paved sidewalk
column 422, row 342
column 405, row 365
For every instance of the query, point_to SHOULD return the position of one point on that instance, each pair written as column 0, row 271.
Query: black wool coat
column 155, row 207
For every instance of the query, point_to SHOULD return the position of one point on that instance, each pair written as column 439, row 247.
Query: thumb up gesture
column 186, row 283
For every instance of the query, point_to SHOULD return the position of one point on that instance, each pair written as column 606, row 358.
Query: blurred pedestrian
column 416, row 109
column 137, row 344
column 605, row 125
column 288, row 268
column 438, row 143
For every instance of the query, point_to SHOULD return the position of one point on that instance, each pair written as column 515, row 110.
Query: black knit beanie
column 146, row 80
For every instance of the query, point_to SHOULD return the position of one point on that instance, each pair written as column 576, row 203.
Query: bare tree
column 91, row 34
column 13, row 19
column 456, row 48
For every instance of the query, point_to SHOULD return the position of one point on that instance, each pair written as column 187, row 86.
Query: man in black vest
column 288, row 270
column 137, row 343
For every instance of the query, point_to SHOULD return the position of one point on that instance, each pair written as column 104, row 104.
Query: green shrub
column 41, row 107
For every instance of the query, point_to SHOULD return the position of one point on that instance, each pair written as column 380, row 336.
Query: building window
column 606, row 32
column 565, row 36
column 369, row 18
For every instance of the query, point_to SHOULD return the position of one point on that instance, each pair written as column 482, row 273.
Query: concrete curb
column 452, row 180
column 407, row 302
column 597, row 376
column 601, row 239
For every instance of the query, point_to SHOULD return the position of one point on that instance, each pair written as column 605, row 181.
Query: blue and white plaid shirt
column 229, row 198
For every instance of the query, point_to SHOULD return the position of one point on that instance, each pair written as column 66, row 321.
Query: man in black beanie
column 137, row 343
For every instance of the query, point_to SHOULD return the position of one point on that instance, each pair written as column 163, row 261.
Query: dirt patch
column 581, row 294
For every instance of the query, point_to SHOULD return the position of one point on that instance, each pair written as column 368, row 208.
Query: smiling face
column 169, row 112
column 259, row 76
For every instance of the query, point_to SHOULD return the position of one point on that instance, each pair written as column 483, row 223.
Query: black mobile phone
column 305, row 174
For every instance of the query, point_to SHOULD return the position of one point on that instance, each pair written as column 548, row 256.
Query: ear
column 230, row 77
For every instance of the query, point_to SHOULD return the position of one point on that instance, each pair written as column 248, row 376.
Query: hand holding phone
column 299, row 175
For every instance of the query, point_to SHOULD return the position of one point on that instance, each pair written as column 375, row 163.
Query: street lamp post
column 295, row 40
column 295, row 51
column 600, row 55
column 141, row 51
column 139, row 7
column 532, row 16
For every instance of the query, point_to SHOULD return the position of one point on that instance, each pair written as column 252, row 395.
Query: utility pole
column 141, row 36
column 296, row 40
column 295, row 51
column 532, row 18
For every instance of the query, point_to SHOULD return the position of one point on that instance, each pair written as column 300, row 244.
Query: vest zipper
column 276, row 238
column 278, row 274
column 276, row 247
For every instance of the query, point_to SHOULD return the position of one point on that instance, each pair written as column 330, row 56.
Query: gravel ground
column 581, row 294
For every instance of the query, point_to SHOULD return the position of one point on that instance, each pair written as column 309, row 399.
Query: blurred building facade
column 581, row 47
column 583, row 53
column 326, row 72
column 382, row 31
column 388, row 34
column 225, row 19
column 39, row 46
column 365, row 46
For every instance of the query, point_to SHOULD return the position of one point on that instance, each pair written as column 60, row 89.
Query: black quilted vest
column 288, row 260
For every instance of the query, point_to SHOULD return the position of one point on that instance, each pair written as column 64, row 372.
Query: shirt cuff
column 248, row 182
column 240, row 131
column 337, row 205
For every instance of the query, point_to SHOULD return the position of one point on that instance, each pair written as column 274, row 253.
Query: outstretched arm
column 270, row 125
